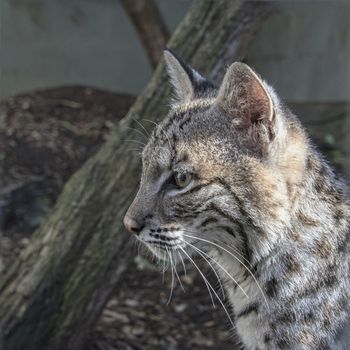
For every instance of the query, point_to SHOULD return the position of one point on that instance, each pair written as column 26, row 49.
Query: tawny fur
column 261, row 190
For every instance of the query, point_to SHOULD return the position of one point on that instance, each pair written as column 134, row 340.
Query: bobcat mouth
column 164, row 242
column 163, row 245
column 169, row 241
column 163, row 238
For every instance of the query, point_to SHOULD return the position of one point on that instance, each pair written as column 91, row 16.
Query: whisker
column 203, row 277
column 230, row 253
column 216, row 295
column 135, row 150
column 182, row 262
column 151, row 121
column 176, row 273
column 164, row 269
column 138, row 131
column 161, row 129
column 234, row 249
column 172, row 279
column 138, row 246
column 139, row 243
column 135, row 141
column 139, row 123
column 203, row 254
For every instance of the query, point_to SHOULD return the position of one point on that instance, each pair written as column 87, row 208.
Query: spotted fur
column 262, row 203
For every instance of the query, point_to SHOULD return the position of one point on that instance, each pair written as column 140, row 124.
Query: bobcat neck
column 287, row 288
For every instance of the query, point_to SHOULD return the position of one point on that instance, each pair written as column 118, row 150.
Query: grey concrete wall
column 303, row 50
column 54, row 42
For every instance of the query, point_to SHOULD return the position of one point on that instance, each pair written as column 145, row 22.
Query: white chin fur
column 158, row 252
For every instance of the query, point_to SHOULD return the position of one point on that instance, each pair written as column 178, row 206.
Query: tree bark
column 54, row 292
column 149, row 25
column 251, row 16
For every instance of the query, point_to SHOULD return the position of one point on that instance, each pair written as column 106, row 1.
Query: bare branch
column 149, row 25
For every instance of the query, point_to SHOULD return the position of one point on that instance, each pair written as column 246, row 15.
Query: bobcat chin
column 231, row 176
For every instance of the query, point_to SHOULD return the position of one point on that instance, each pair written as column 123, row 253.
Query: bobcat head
column 218, row 168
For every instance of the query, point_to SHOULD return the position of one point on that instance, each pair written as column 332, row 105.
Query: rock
column 137, row 331
column 201, row 340
column 114, row 316
column 131, row 302
column 188, row 279
column 180, row 307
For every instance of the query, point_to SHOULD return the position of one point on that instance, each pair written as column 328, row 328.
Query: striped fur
column 263, row 204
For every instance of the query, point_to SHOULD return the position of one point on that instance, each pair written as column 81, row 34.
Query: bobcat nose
column 132, row 225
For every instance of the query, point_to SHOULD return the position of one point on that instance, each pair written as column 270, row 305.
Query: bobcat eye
column 182, row 179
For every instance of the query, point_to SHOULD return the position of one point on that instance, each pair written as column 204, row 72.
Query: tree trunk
column 54, row 292
column 149, row 25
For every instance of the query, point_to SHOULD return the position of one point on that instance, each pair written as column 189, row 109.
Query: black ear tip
column 182, row 63
column 171, row 52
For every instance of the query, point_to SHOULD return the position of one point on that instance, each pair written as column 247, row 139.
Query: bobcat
column 231, row 176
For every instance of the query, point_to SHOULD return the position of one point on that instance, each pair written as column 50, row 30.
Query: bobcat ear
column 243, row 96
column 186, row 81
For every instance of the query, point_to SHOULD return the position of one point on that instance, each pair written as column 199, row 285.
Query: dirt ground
column 49, row 134
column 138, row 315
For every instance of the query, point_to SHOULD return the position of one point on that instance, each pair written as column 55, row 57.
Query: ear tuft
column 187, row 82
column 178, row 77
column 243, row 95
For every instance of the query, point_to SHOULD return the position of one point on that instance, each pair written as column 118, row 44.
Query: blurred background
column 303, row 50
column 70, row 70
